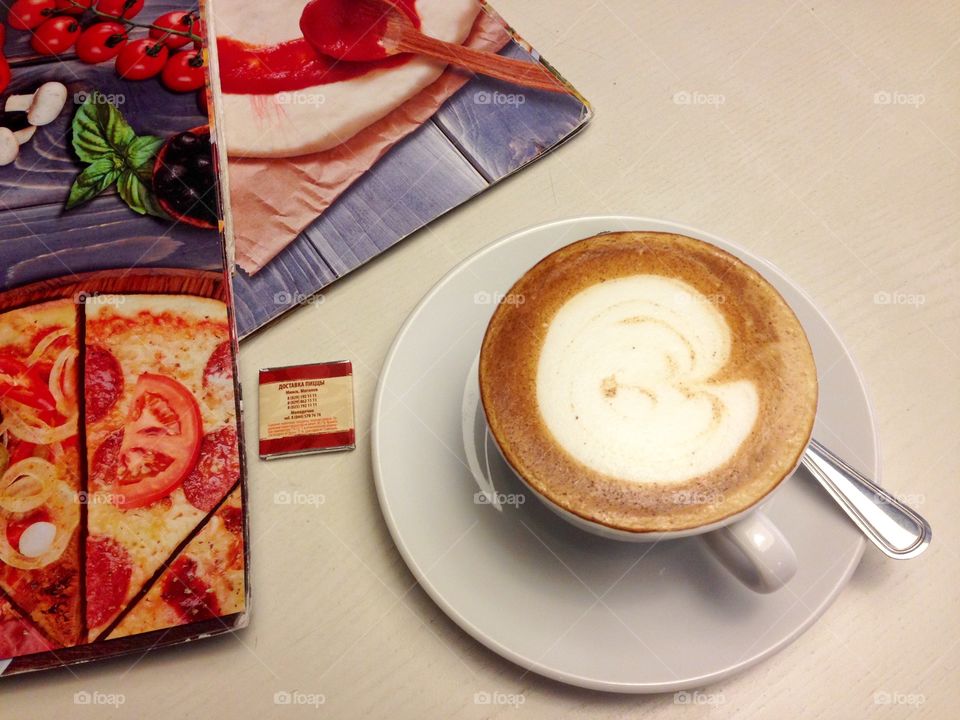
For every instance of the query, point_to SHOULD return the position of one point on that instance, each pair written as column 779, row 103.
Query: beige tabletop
column 823, row 136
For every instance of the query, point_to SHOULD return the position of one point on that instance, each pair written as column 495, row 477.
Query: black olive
column 169, row 179
column 203, row 163
column 186, row 181
column 184, row 144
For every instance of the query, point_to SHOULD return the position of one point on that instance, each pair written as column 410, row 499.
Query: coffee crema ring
column 648, row 382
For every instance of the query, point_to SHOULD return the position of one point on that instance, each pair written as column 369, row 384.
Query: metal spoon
column 893, row 527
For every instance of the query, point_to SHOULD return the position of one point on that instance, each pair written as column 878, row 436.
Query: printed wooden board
column 122, row 496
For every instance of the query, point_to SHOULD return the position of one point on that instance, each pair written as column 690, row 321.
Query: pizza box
column 123, row 523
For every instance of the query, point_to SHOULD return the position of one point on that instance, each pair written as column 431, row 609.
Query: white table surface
column 789, row 149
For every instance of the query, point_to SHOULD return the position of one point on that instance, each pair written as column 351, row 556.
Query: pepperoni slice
column 220, row 364
column 103, row 467
column 18, row 637
column 104, row 382
column 188, row 593
column 108, row 578
column 216, row 471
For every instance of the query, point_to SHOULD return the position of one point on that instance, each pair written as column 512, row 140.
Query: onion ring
column 15, row 417
column 47, row 341
column 27, row 484
column 65, row 363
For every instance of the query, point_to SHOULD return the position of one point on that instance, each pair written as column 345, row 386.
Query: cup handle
column 755, row 551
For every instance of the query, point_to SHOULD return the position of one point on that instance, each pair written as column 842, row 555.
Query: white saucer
column 596, row 613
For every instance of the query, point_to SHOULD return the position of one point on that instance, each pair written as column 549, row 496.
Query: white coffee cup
column 747, row 544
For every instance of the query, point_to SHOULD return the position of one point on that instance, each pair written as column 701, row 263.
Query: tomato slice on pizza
column 161, row 441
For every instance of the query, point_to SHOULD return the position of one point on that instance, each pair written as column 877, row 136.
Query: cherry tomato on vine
column 180, row 20
column 28, row 14
column 101, row 42
column 141, row 59
column 121, row 8
column 184, row 71
column 56, row 35
column 74, row 7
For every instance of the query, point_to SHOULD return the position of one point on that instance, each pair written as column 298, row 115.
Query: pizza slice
column 203, row 582
column 40, row 467
column 162, row 447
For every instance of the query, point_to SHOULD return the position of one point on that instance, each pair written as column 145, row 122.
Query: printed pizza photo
column 120, row 478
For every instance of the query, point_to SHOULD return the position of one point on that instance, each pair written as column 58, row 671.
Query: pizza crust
column 321, row 117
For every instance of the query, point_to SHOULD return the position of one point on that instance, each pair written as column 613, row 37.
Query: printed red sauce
column 247, row 69
column 188, row 593
column 232, row 517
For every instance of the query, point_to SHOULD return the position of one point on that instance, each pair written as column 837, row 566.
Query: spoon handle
column 891, row 525
column 519, row 72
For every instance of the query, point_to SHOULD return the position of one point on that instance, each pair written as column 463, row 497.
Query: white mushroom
column 25, row 134
column 9, row 147
column 48, row 101
column 18, row 103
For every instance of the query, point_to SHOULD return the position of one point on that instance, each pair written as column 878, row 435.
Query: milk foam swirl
column 625, row 381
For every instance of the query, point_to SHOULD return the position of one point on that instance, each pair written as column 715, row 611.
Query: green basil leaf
column 95, row 178
column 99, row 130
column 138, row 195
column 141, row 155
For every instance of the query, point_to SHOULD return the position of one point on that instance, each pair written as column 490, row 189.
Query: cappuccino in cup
column 648, row 382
